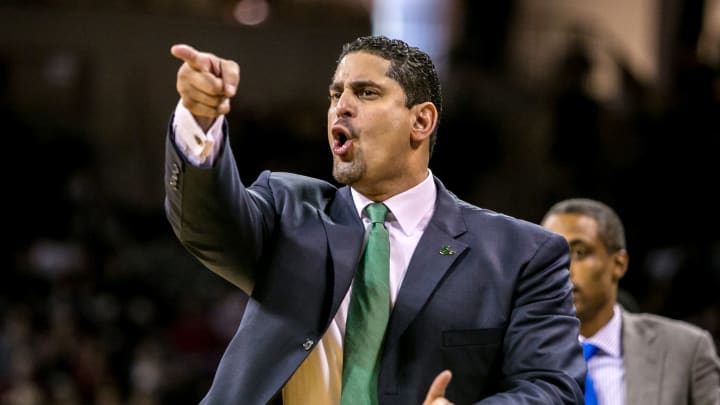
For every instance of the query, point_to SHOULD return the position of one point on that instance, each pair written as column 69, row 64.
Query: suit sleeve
column 543, row 361
column 220, row 221
column 705, row 372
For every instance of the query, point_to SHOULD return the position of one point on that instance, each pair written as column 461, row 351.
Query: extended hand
column 205, row 83
column 436, row 393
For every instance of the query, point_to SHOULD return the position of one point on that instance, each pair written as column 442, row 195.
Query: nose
column 573, row 272
column 345, row 106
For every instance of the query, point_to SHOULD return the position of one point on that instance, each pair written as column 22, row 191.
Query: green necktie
column 368, row 315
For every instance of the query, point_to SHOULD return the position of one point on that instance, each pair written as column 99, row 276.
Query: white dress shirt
column 606, row 367
column 318, row 380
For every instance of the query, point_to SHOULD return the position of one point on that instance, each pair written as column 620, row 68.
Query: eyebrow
column 337, row 86
column 576, row 242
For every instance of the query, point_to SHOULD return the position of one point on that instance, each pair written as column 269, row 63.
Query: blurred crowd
column 99, row 304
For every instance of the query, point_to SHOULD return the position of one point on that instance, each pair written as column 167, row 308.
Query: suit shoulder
column 483, row 217
column 509, row 230
column 303, row 186
column 285, row 190
column 673, row 329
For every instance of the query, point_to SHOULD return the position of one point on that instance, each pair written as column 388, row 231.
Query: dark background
column 543, row 100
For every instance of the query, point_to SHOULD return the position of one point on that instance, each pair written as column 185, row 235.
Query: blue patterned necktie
column 589, row 350
column 368, row 315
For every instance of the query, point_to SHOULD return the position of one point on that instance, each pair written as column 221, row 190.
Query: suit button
column 175, row 168
column 308, row 344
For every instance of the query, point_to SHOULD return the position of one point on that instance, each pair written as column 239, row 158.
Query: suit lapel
column 345, row 233
column 642, row 358
column 435, row 253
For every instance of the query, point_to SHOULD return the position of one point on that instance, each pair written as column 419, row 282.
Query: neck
column 589, row 327
column 383, row 190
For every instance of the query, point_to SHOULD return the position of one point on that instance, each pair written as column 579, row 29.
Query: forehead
column 361, row 66
column 573, row 226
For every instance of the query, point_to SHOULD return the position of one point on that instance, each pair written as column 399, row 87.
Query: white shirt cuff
column 200, row 148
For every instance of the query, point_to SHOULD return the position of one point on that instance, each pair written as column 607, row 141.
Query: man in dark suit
column 640, row 358
column 479, row 305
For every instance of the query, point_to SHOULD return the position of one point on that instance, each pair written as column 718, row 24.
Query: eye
column 579, row 253
column 367, row 92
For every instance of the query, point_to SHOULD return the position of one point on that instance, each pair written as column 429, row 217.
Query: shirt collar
column 608, row 338
column 407, row 208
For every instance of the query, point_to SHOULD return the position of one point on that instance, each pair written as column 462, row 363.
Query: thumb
column 188, row 54
column 438, row 386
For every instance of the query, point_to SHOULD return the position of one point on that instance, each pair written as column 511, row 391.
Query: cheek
column 577, row 277
column 585, row 274
column 329, row 125
column 393, row 119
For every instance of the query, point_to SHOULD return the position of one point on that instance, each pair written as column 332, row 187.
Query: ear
column 620, row 261
column 425, row 117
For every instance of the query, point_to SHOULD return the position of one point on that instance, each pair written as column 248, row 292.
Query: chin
column 347, row 172
column 343, row 176
column 579, row 310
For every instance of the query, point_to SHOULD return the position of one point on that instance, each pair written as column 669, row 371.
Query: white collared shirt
column 606, row 367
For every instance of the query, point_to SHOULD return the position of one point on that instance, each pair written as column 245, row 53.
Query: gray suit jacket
column 668, row 362
column 497, row 311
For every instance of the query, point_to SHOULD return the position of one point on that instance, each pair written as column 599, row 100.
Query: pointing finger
column 200, row 61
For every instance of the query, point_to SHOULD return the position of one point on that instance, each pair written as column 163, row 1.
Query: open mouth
column 342, row 140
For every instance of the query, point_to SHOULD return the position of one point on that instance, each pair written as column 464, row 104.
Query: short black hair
column 610, row 228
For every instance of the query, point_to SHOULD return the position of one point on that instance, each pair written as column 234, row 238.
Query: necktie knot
column 589, row 350
column 377, row 212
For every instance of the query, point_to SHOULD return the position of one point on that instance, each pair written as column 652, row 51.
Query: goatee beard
column 348, row 172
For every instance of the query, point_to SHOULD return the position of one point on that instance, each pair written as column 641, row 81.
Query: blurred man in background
column 632, row 358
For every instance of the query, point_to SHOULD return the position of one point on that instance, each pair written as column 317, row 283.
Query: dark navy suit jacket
column 497, row 311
